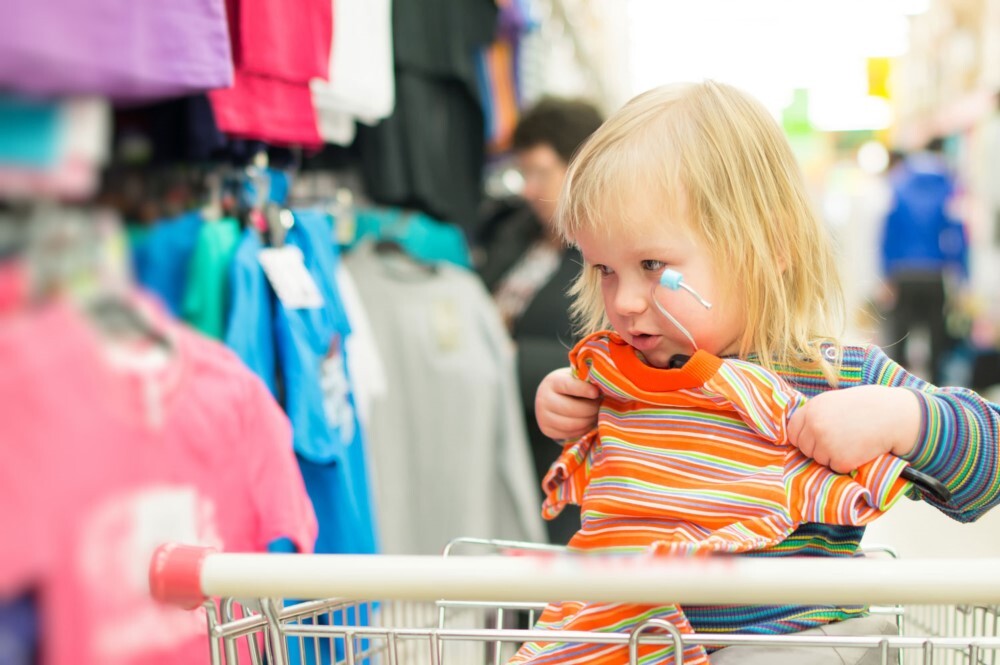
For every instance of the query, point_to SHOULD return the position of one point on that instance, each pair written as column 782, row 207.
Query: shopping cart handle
column 927, row 484
column 175, row 574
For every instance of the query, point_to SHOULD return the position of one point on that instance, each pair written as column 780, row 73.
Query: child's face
column 629, row 268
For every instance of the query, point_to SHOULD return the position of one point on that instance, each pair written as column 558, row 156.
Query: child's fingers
column 578, row 407
column 799, row 434
column 562, row 427
column 795, row 425
column 569, row 385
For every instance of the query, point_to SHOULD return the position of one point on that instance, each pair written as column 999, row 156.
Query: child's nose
column 631, row 300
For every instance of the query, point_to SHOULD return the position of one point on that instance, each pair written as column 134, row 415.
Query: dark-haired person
column 528, row 268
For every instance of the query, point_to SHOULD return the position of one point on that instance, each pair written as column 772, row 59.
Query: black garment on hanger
column 438, row 38
column 176, row 131
column 429, row 154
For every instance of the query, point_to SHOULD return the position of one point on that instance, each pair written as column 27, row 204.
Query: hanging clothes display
column 161, row 255
column 113, row 447
column 429, row 154
column 315, row 387
column 123, row 50
column 266, row 109
column 182, row 444
column 498, row 72
column 359, row 83
column 278, row 48
column 445, row 352
column 30, row 137
column 52, row 148
column 364, row 363
column 318, row 398
column 206, row 294
column 177, row 130
column 421, row 236
column 284, row 40
column 250, row 329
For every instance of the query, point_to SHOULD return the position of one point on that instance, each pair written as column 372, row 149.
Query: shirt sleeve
column 817, row 494
column 282, row 505
column 569, row 476
column 957, row 443
column 762, row 399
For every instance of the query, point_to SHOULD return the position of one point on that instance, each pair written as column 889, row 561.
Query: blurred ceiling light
column 873, row 157
column 846, row 114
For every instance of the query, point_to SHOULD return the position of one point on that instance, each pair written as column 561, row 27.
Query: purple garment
column 128, row 50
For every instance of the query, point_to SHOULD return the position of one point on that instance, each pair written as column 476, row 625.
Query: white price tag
column 287, row 272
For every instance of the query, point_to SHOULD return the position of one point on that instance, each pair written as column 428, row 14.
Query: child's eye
column 602, row 269
column 653, row 265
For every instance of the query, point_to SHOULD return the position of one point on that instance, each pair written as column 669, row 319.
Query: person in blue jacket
column 923, row 248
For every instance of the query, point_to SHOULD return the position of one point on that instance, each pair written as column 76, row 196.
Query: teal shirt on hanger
column 206, row 298
column 422, row 237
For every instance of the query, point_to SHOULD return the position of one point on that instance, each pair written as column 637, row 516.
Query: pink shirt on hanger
column 278, row 47
column 104, row 459
column 268, row 110
column 285, row 39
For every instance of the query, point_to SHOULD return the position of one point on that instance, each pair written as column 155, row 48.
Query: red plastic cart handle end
column 175, row 574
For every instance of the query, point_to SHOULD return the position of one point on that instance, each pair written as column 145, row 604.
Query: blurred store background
column 274, row 274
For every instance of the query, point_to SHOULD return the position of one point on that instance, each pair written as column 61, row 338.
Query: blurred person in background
column 924, row 250
column 529, row 269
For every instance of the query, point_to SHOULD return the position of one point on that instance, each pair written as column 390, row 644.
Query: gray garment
column 448, row 444
column 876, row 624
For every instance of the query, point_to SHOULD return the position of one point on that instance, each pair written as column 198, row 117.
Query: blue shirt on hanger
column 161, row 255
column 30, row 132
column 250, row 331
column 308, row 346
column 319, row 399
column 329, row 450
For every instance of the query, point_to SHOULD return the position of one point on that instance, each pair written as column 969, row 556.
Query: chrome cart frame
column 418, row 609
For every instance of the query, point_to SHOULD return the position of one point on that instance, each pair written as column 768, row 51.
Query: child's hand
column 566, row 407
column 843, row 429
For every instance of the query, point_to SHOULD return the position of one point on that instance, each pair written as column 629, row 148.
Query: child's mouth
column 645, row 342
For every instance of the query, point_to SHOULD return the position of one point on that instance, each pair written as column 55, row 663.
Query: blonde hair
column 713, row 155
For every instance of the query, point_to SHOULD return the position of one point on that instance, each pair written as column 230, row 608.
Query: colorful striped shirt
column 686, row 461
column 957, row 444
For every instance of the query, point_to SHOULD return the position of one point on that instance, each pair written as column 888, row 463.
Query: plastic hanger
column 116, row 316
column 67, row 253
column 279, row 222
column 213, row 208
column 345, row 224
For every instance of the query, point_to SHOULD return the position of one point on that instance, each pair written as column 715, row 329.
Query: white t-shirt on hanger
column 361, row 83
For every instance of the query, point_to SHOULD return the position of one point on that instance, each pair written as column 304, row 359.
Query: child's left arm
column 843, row 429
column 948, row 433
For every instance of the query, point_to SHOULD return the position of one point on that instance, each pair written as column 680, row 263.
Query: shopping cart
column 403, row 610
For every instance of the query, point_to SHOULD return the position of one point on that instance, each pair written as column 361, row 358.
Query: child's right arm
column 566, row 407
